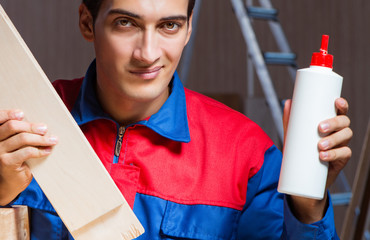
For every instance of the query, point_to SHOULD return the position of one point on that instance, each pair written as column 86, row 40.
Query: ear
column 190, row 28
column 86, row 23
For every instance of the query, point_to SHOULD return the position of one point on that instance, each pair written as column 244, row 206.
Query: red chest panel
column 212, row 169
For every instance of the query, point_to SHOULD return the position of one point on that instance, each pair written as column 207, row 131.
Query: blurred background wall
column 50, row 28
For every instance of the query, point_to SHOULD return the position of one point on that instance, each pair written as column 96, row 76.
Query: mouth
column 147, row 73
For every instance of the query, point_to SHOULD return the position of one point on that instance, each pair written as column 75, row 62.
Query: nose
column 147, row 50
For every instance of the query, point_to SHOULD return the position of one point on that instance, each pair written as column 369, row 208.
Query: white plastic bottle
column 315, row 91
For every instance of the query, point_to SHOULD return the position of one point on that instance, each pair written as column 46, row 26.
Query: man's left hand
column 334, row 150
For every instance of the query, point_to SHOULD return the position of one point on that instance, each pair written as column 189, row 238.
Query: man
column 190, row 167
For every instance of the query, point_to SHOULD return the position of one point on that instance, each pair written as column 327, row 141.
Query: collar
column 170, row 121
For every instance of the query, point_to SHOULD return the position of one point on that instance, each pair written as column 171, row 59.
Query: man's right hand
column 19, row 141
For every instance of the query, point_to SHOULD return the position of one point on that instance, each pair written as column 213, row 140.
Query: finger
column 286, row 115
column 26, row 139
column 337, row 139
column 6, row 115
column 342, row 106
column 13, row 127
column 17, row 158
column 337, row 156
column 334, row 124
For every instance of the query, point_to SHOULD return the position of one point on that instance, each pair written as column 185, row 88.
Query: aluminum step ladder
column 245, row 13
column 258, row 60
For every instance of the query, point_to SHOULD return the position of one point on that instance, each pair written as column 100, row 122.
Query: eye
column 124, row 22
column 171, row 26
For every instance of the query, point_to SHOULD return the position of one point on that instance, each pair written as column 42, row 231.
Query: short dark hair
column 94, row 6
column 190, row 7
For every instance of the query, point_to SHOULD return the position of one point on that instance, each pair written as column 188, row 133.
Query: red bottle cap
column 322, row 58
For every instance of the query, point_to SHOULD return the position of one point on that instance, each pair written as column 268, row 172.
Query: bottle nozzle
column 322, row 58
column 324, row 44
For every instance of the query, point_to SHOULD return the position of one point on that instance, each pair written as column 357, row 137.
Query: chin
column 144, row 96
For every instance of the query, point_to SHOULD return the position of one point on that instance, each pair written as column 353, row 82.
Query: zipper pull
column 121, row 132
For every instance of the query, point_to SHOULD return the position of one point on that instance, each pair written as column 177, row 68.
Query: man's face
column 138, row 45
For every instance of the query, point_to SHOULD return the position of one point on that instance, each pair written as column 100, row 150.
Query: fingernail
column 53, row 139
column 342, row 103
column 18, row 115
column 47, row 150
column 324, row 155
column 324, row 126
column 324, row 144
column 41, row 129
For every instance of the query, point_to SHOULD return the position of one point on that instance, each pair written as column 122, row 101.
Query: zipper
column 118, row 147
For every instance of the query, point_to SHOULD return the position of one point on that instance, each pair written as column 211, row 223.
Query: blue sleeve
column 34, row 197
column 266, row 214
column 323, row 229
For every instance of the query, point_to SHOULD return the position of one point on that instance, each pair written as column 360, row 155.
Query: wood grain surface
column 72, row 177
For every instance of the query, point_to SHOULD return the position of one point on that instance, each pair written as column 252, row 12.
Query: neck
column 126, row 111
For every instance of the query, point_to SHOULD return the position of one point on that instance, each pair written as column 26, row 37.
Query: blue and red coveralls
column 194, row 170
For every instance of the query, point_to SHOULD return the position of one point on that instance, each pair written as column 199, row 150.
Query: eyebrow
column 134, row 15
column 178, row 17
column 123, row 12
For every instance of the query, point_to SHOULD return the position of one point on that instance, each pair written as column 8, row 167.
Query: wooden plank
column 354, row 222
column 14, row 224
column 72, row 177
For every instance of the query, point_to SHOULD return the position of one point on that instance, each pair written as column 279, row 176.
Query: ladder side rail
column 249, row 2
column 250, row 76
column 280, row 37
column 250, row 66
column 282, row 43
column 260, row 65
column 277, row 30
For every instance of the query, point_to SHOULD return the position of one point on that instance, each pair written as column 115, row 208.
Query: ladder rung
column 341, row 198
column 280, row 58
column 263, row 13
